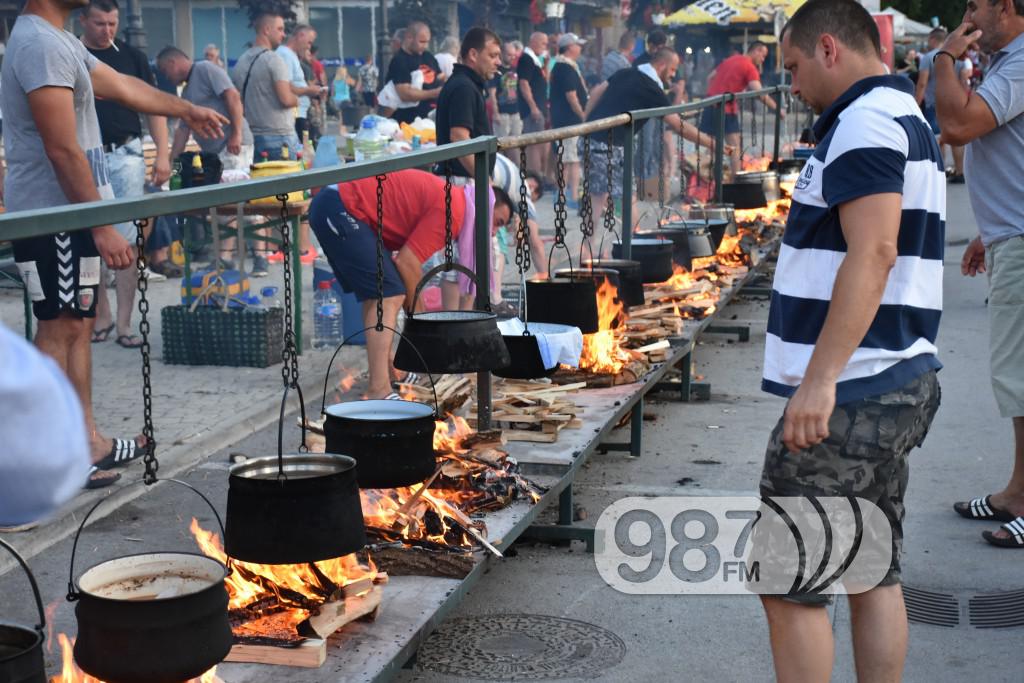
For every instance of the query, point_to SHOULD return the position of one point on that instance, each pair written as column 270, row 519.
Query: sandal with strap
column 122, row 452
column 100, row 478
column 1015, row 529
column 982, row 509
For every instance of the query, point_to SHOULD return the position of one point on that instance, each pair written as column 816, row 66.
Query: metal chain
column 753, row 124
column 661, row 164
column 289, row 352
column 560, row 212
column 523, row 229
column 586, row 204
column 700, row 177
column 149, row 459
column 449, row 249
column 739, row 109
column 609, row 209
column 380, row 252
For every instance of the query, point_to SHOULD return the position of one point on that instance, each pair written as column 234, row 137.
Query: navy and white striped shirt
column 873, row 140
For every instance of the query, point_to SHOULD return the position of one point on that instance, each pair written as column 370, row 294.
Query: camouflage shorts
column 865, row 455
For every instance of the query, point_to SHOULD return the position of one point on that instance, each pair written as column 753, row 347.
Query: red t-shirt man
column 735, row 74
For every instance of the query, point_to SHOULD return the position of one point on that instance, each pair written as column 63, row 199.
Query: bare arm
column 285, row 95
column 768, row 101
column 458, row 134
column 307, row 90
column 407, row 93
column 162, row 164
column 922, row 82
column 574, row 103
column 527, row 94
column 233, row 102
column 595, row 95
column 53, row 111
column 136, row 94
column 409, row 269
column 181, row 134
column 963, row 116
column 689, row 132
column 540, row 257
column 871, row 226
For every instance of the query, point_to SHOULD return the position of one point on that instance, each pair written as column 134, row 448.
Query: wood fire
column 70, row 673
column 272, row 603
column 602, row 350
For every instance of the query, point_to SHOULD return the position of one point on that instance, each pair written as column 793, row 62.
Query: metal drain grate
column 997, row 610
column 520, row 647
column 927, row 607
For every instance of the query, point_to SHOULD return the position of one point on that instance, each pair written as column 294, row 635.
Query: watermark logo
column 741, row 544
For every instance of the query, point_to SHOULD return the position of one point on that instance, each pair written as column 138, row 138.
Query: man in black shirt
column 568, row 100
column 414, row 56
column 533, row 95
column 121, row 129
column 656, row 40
column 461, row 112
column 642, row 87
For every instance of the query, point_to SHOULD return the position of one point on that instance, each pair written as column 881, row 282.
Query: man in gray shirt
column 268, row 99
column 55, row 157
column 208, row 85
column 991, row 124
column 619, row 59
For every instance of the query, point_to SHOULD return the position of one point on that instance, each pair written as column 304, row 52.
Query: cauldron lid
column 380, row 410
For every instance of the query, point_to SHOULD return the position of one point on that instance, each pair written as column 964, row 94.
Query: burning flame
column 251, row 582
column 602, row 351
column 70, row 673
column 449, row 434
column 775, row 210
column 749, row 163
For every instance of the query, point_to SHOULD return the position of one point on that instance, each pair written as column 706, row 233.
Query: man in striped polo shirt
column 854, row 315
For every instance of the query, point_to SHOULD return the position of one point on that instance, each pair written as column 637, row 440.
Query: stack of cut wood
column 652, row 323
column 632, row 372
column 532, row 410
column 699, row 294
column 452, row 392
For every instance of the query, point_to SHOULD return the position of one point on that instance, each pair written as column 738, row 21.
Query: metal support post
column 565, row 512
column 778, row 125
column 296, row 281
column 636, row 429
column 564, row 531
column 482, row 226
column 627, row 192
column 720, row 151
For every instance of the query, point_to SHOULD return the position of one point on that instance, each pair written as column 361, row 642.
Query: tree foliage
column 256, row 8
column 949, row 12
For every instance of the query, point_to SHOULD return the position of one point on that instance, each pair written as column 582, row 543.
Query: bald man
column 415, row 57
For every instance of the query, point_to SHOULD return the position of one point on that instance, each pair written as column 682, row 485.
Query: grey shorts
column 531, row 126
column 649, row 149
column 866, row 455
column 1005, row 267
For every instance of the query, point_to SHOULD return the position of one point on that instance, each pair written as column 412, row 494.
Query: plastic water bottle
column 268, row 297
column 327, row 320
column 326, row 152
column 369, row 143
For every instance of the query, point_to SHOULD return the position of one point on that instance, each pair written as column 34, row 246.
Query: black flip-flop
column 128, row 341
column 982, row 509
column 100, row 336
column 1015, row 528
column 100, row 478
column 122, row 452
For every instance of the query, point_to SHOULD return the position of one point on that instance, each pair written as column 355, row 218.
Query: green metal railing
column 48, row 221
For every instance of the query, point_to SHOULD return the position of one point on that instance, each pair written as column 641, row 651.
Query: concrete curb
column 174, row 460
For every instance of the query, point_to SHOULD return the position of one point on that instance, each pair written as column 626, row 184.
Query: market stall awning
column 724, row 12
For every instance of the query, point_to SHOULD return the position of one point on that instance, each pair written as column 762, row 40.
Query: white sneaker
column 153, row 276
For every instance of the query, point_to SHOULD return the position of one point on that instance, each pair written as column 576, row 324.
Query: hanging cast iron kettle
column 151, row 618
column 21, row 647
column 391, row 441
column 450, row 341
column 293, row 508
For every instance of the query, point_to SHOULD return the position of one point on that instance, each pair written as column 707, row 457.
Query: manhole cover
column 520, row 647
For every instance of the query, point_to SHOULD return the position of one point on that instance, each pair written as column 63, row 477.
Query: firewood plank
column 310, row 654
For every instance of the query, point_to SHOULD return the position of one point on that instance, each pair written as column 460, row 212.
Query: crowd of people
column 857, row 294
